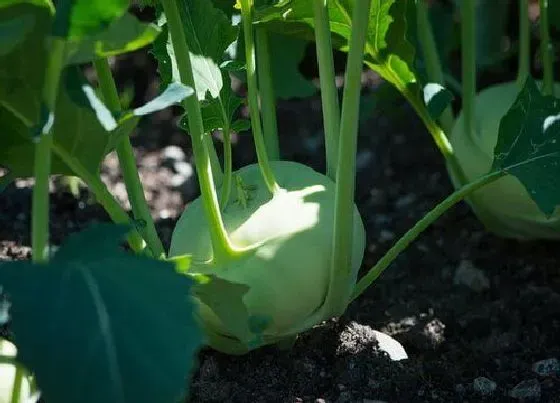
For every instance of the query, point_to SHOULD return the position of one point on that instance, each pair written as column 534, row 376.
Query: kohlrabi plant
column 506, row 207
column 265, row 252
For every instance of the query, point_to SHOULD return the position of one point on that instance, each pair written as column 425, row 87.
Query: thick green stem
column 546, row 49
column 217, row 173
column 42, row 162
column 266, row 91
column 264, row 163
column 115, row 211
column 127, row 162
column 221, row 245
column 346, row 173
column 524, row 43
column 468, row 59
column 431, row 58
column 418, row 228
column 329, row 94
column 226, row 187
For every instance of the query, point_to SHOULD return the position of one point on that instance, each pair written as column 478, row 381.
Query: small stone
column 469, row 275
column 530, row 389
column 356, row 337
column 405, row 201
column 363, row 159
column 177, row 180
column 173, row 153
column 484, row 386
column 549, row 367
column 385, row 236
column 183, row 168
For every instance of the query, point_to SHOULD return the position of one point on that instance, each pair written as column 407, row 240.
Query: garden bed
column 474, row 312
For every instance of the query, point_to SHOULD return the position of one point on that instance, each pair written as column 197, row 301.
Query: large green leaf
column 77, row 131
column 98, row 324
column 13, row 31
column 528, row 145
column 22, row 69
column 124, row 35
column 554, row 13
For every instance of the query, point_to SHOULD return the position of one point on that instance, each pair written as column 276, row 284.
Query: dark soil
column 461, row 332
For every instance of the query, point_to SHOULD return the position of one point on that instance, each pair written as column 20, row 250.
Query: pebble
column 484, row 386
column 405, row 201
column 549, row 367
column 469, row 275
column 183, row 168
column 173, row 153
column 529, row 389
column 355, row 337
column 363, row 159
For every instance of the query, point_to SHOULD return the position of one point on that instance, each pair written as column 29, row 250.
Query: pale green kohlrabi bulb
column 8, row 376
column 504, row 206
column 288, row 274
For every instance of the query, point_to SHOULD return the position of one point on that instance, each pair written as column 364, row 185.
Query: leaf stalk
column 125, row 153
column 329, row 94
column 346, row 171
column 42, row 162
column 418, row 228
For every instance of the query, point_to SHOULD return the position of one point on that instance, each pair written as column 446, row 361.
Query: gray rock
column 484, row 386
column 549, row 367
column 470, row 276
column 529, row 389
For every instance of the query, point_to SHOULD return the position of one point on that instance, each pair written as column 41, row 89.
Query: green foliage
column 22, row 69
column 287, row 274
column 126, row 34
column 89, row 17
column 436, row 98
column 209, row 33
column 512, row 136
column 109, row 322
column 286, row 54
column 528, row 145
column 95, row 131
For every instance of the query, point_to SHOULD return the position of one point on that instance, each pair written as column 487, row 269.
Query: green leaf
column 208, row 32
column 89, row 17
column 286, row 55
column 173, row 94
column 436, row 98
column 241, row 125
column 13, row 31
column 387, row 49
column 554, row 13
column 96, row 322
column 78, row 133
column 225, row 299
column 126, row 34
column 528, row 145
column 22, row 69
column 218, row 113
column 40, row 3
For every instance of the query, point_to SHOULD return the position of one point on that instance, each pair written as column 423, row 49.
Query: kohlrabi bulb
column 504, row 206
column 288, row 273
column 8, row 376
